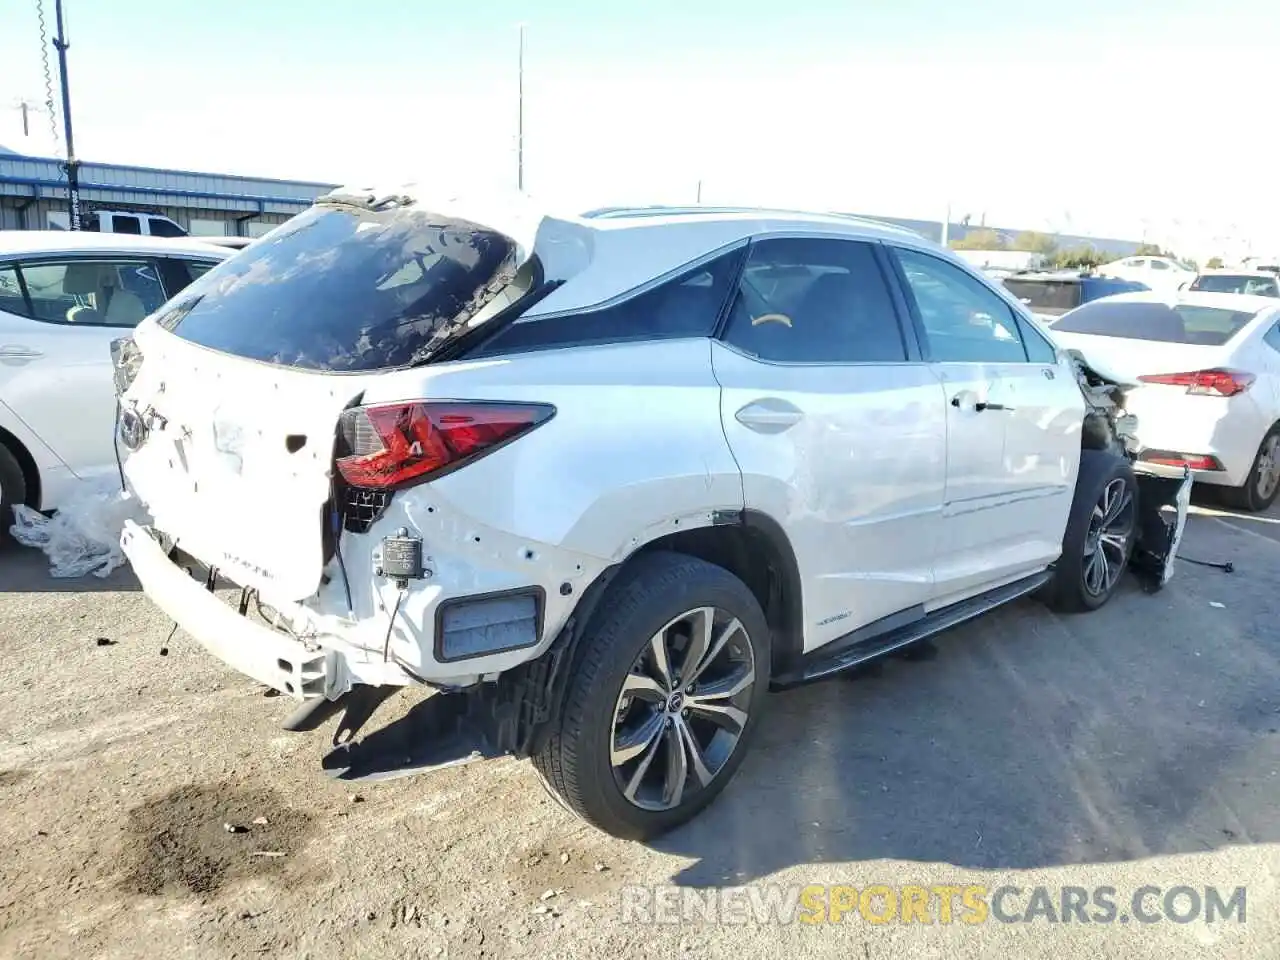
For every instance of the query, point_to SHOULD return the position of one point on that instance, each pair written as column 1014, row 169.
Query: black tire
column 13, row 489
column 1072, row 589
column 1253, row 496
column 575, row 762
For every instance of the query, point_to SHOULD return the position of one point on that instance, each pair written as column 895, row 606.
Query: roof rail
column 660, row 210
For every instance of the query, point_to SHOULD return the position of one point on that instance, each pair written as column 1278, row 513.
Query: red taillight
column 397, row 444
column 1212, row 383
column 1191, row 460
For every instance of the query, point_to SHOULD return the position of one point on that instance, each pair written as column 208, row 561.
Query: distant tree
column 979, row 240
column 1149, row 250
column 1033, row 242
column 1079, row 258
column 1215, row 263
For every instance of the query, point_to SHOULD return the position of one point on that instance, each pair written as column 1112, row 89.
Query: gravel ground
column 1134, row 746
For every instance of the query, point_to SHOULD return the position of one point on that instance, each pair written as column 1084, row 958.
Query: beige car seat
column 81, row 279
column 112, row 305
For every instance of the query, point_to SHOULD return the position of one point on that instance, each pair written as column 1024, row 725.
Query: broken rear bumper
column 301, row 666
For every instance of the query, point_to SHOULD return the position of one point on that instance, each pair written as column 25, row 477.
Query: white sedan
column 1208, row 366
column 64, row 297
column 1158, row 273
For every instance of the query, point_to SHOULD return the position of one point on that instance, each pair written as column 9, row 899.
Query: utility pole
column 73, row 165
column 520, row 120
column 699, row 191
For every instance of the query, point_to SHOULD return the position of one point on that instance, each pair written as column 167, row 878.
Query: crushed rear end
column 1164, row 490
column 279, row 419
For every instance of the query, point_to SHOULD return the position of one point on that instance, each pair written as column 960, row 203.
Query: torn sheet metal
column 1164, row 499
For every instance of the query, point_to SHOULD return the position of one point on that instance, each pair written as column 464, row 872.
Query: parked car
column 1050, row 294
column 1208, row 366
column 130, row 222
column 64, row 297
column 1254, row 282
column 604, row 480
column 1157, row 273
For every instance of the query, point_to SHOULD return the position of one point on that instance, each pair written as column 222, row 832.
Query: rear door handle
column 13, row 352
column 770, row 415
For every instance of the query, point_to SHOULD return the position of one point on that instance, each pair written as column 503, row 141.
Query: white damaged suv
column 603, row 480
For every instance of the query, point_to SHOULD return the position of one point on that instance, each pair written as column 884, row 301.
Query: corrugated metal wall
column 35, row 216
column 33, row 187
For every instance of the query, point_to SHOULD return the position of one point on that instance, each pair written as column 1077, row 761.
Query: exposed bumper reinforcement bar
column 265, row 655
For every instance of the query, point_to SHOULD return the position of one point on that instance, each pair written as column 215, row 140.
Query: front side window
column 1159, row 265
column 100, row 293
column 964, row 321
column 807, row 300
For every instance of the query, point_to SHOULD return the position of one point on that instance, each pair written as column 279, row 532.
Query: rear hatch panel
column 232, row 412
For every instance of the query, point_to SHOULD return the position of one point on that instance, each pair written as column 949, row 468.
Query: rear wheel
column 1259, row 491
column 1100, row 535
column 13, row 490
column 664, row 698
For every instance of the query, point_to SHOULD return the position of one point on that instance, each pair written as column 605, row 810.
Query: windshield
column 1238, row 283
column 1160, row 322
column 346, row 288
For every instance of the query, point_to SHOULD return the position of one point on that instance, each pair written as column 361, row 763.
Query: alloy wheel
column 682, row 709
column 1106, row 548
column 1268, row 468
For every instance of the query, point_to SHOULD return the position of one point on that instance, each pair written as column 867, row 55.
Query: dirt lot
column 1135, row 746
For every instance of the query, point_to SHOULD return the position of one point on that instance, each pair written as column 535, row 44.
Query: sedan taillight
column 1208, row 383
column 393, row 445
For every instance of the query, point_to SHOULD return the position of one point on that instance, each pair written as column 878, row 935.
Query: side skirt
column 900, row 630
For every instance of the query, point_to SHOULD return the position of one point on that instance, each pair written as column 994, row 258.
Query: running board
column 855, row 650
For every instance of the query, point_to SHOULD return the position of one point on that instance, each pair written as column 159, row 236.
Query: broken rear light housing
column 1206, row 383
column 393, row 445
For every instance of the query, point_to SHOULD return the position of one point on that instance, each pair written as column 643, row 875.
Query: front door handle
column 770, row 415
column 958, row 401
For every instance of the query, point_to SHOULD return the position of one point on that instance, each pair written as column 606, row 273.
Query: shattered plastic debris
column 84, row 535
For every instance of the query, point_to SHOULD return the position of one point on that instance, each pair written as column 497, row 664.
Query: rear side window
column 1272, row 339
column 347, row 288
column 687, row 305
column 1052, row 297
column 806, row 300
column 96, row 293
column 1158, row 322
column 163, row 228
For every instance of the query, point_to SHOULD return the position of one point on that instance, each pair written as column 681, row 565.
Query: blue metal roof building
column 33, row 196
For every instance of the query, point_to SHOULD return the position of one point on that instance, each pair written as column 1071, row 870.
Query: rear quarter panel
column 635, row 449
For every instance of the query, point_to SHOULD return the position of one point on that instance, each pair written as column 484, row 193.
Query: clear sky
column 1114, row 117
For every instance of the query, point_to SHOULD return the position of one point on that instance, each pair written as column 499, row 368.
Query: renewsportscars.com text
column 968, row 904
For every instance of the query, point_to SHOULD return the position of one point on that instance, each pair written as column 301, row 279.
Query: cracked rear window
column 348, row 289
